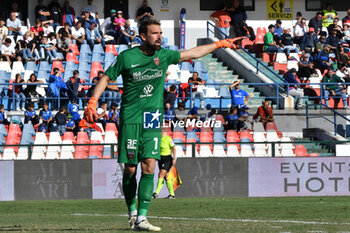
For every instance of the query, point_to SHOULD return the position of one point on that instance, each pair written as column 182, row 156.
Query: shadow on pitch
column 19, row 228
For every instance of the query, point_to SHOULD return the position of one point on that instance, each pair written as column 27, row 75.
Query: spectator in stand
column 47, row 50
column 243, row 119
column 333, row 40
column 328, row 15
column 112, row 94
column 297, row 19
column 238, row 15
column 108, row 24
column 52, row 39
column 346, row 32
column 14, row 26
column 294, row 89
column 41, row 11
column 180, row 112
column 86, row 19
column 94, row 81
column 320, row 45
column 3, row 31
column 232, row 119
column 93, row 36
column 113, row 114
column 36, row 29
column 30, row 115
column 55, row 14
column 57, row 88
column 15, row 8
column 308, row 42
column 48, row 30
column 287, row 42
column 184, row 92
column 8, row 52
column 61, row 120
column 102, row 114
column 335, row 90
column 342, row 56
column 75, row 92
column 63, row 44
column 3, row 116
column 45, row 115
column 34, row 44
column 118, row 23
column 66, row 28
column 90, row 7
column 70, row 125
column 68, row 13
column 192, row 114
column 24, row 49
column 170, row 96
column 73, row 109
column 30, row 92
column 210, row 116
column 322, row 59
column 239, row 97
column 346, row 19
column 222, row 20
column 343, row 72
column 169, row 114
column 78, row 34
column 144, row 13
column 17, row 95
column 270, row 45
column 196, row 92
column 264, row 114
column 127, row 34
column 300, row 30
column 278, row 30
column 306, row 68
column 333, row 26
column 316, row 23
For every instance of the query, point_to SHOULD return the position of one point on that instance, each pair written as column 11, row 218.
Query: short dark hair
column 144, row 25
column 100, row 72
column 2, row 106
column 31, row 105
column 56, row 69
column 271, row 26
column 45, row 103
column 318, row 13
column 299, row 13
column 104, row 102
column 75, row 72
column 66, row 23
column 63, row 108
column 172, row 88
column 8, row 40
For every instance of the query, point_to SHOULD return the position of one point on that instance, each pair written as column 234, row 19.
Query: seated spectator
column 3, row 116
column 78, row 34
column 333, row 26
column 294, row 90
column 48, row 30
column 34, row 45
column 8, row 52
column 36, row 29
column 90, row 7
column 86, row 19
column 3, row 31
column 68, row 13
column 211, row 116
column 16, row 10
column 127, row 34
column 322, row 59
column 70, row 125
column 14, row 26
column 75, row 92
column 333, row 40
column 170, row 96
column 17, row 95
column 306, row 68
column 343, row 72
column 232, row 119
column 346, row 19
column 264, row 114
column 61, row 120
column 52, row 39
column 93, row 36
column 316, row 23
column 196, row 90
column 342, row 56
column 222, row 20
column 278, row 30
column 119, row 22
column 102, row 114
column 41, row 11
column 46, row 117
column 30, row 115
column 30, row 92
column 144, row 13
column 239, row 97
column 88, row 127
column 24, row 48
column 66, row 29
column 287, row 42
column 73, row 109
column 270, row 45
column 321, row 43
column 55, row 13
column 346, row 32
column 181, row 113
column 113, row 115
column 335, row 90
column 297, row 20
column 108, row 24
column 169, row 114
column 63, row 44
column 94, row 81
column 184, row 92
column 192, row 114
column 243, row 119
column 112, row 94
column 308, row 42
column 300, row 30
column 47, row 50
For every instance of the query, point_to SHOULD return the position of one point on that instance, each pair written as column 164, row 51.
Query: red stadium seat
column 179, row 135
column 93, row 74
column 314, row 155
column 261, row 30
column 300, row 151
column 221, row 118
column 95, row 151
column 110, row 48
column 74, row 48
column 205, row 137
column 72, row 57
column 69, row 136
column 15, row 128
column 111, row 127
column 271, row 126
column 259, row 39
column 96, row 66
column 57, row 64
column 232, row 136
column 246, row 134
column 82, row 138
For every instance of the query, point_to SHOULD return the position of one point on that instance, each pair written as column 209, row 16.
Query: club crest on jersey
column 131, row 154
column 151, row 120
column 156, row 60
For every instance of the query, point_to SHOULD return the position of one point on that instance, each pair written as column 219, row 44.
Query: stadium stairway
column 313, row 147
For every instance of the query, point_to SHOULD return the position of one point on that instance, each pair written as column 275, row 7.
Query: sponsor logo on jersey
column 147, row 90
column 156, row 60
column 151, row 120
column 131, row 144
column 148, row 74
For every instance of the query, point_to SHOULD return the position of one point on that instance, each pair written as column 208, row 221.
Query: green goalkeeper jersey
column 143, row 84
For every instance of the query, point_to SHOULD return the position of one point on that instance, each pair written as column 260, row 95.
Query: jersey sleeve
column 173, row 57
column 116, row 68
column 245, row 93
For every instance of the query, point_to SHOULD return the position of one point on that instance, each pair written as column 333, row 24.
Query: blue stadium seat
column 199, row 67
column 83, row 74
column 85, row 48
column 109, row 57
column 177, row 128
column 70, row 65
column 60, row 56
column 219, row 128
column 107, row 64
column 186, row 66
column 120, row 81
column 84, row 57
column 3, row 130
column 96, row 57
column 98, row 49
column 192, row 134
column 2, row 142
column 43, row 74
column 68, row 74
column 219, row 137
column 44, row 65
column 224, row 92
column 122, row 47
column 31, row 66
column 4, row 76
column 212, row 81
column 84, row 66
column 28, row 128
column 16, row 119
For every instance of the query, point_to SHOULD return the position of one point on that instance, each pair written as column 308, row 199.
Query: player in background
column 167, row 148
column 143, row 70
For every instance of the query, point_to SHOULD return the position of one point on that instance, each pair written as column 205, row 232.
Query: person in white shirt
column 78, row 34
column 14, row 25
column 8, row 52
column 47, row 29
column 300, row 29
column 3, row 31
column 102, row 114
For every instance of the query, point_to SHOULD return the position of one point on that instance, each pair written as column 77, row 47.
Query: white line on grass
column 224, row 219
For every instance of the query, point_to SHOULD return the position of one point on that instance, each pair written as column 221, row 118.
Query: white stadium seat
column 232, row 151
column 22, row 153
column 219, row 150
column 246, row 150
column 9, row 154
column 4, row 65
column 281, row 58
column 95, row 135
column 205, row 151
column 39, row 151
column 67, row 151
column 179, row 151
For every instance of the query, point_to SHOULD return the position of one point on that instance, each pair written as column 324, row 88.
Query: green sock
column 159, row 185
column 170, row 185
column 129, row 189
column 145, row 193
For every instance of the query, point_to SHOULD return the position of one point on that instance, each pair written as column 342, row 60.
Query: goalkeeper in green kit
column 143, row 70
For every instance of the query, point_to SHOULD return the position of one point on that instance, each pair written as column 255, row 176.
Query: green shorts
column 136, row 143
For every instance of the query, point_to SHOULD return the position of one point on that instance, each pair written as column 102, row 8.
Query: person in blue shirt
column 243, row 119
column 30, row 115
column 278, row 30
column 169, row 114
column 3, row 117
column 57, row 82
column 70, row 125
column 61, row 120
column 238, row 97
column 232, row 119
column 113, row 114
column 294, row 90
column 73, row 109
column 46, row 116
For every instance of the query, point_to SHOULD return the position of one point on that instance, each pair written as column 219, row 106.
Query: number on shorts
column 155, row 143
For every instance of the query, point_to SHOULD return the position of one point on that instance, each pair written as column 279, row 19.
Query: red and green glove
column 90, row 113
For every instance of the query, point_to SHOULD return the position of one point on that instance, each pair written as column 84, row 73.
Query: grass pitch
column 299, row 214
